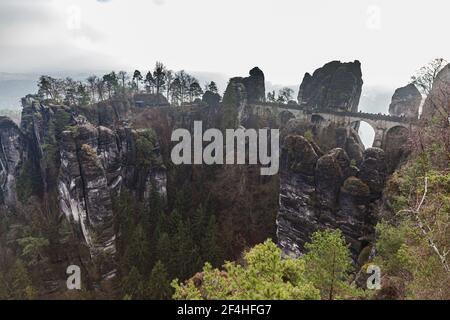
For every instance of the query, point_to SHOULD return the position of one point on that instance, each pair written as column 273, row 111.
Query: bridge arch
column 366, row 132
column 285, row 116
column 317, row 119
column 397, row 129
column 396, row 136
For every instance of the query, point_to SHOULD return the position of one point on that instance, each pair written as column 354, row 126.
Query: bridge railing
column 360, row 114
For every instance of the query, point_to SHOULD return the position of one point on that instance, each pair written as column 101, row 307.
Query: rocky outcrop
column 234, row 103
column 438, row 100
column 406, row 102
column 396, row 147
column 327, row 191
column 239, row 93
column 329, row 137
column 10, row 155
column 150, row 100
column 336, row 85
column 255, row 86
column 87, row 164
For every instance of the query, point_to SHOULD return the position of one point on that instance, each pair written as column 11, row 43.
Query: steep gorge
column 81, row 160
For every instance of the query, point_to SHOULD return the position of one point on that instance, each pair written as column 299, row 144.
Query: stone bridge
column 381, row 124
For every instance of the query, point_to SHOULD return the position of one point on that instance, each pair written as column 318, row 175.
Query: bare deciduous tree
column 426, row 75
column 428, row 228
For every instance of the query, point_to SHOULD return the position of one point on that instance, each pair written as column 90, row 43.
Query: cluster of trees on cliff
column 177, row 87
column 285, row 95
column 413, row 238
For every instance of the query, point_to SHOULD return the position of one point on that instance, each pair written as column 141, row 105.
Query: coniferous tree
column 211, row 251
column 164, row 252
column 125, row 221
column 168, row 79
column 111, row 82
column 132, row 284
column 137, row 251
column 92, row 83
column 328, row 263
column 100, row 84
column 176, row 91
column 83, row 97
column 195, row 90
column 137, row 78
column 158, row 286
column 212, row 86
column 159, row 76
column 186, row 253
column 123, row 77
column 198, row 224
column 149, row 82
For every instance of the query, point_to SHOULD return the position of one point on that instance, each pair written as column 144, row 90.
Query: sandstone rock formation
column 327, row 192
column 396, row 147
column 329, row 137
column 406, row 102
column 336, row 85
column 10, row 155
column 150, row 100
column 239, row 93
column 255, row 86
column 438, row 100
column 86, row 157
column 235, row 100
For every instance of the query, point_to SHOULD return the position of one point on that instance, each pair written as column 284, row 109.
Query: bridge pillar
column 379, row 138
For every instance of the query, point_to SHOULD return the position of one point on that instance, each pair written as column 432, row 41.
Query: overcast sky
column 285, row 38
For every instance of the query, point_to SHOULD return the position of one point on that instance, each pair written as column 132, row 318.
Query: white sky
column 285, row 38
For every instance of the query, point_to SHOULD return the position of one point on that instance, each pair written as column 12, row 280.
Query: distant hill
column 15, row 86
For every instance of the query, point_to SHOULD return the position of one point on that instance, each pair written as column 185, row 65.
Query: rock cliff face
column 336, row 85
column 239, row 93
column 87, row 164
column 255, row 86
column 10, row 155
column 438, row 100
column 327, row 191
column 406, row 102
column 150, row 100
column 327, row 179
